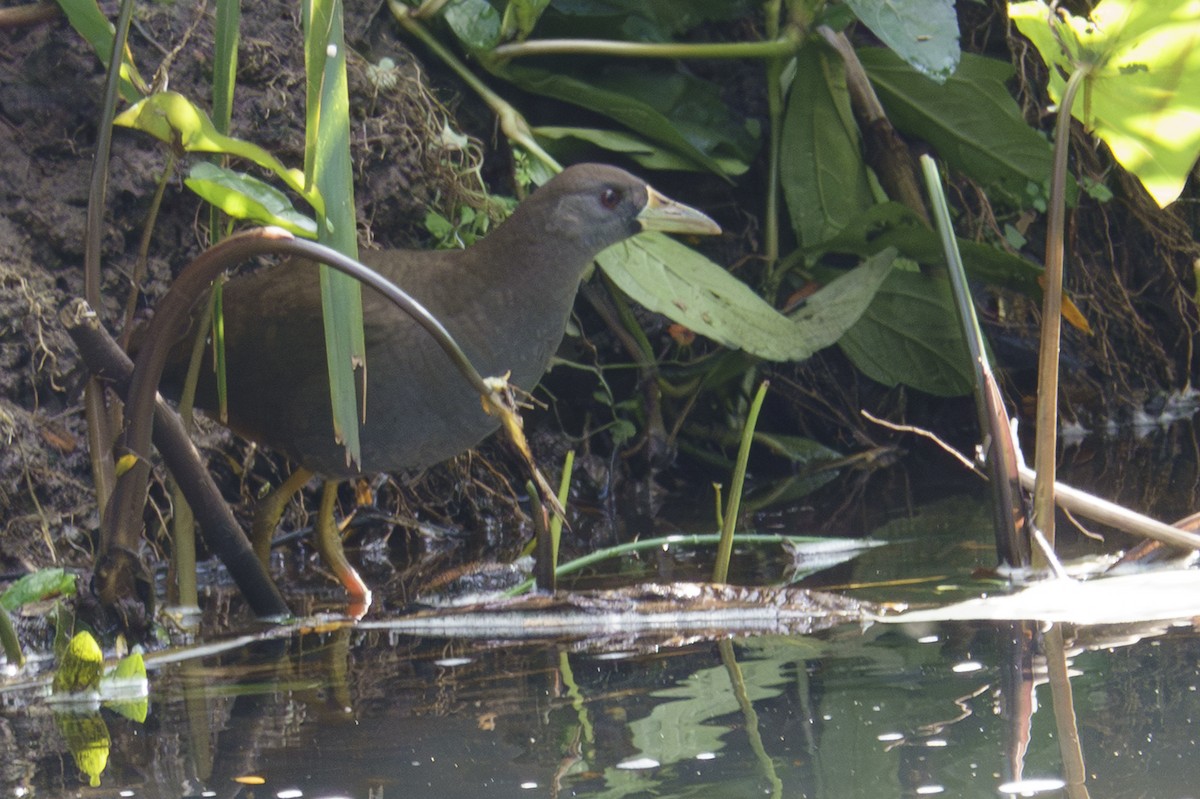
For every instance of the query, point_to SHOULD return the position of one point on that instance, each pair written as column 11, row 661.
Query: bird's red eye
column 610, row 198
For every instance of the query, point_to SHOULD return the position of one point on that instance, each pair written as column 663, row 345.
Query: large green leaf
column 911, row 335
column 244, row 196
column 971, row 120
column 37, row 586
column 667, row 277
column 1142, row 91
column 894, row 225
column 922, row 32
column 821, row 166
column 666, row 106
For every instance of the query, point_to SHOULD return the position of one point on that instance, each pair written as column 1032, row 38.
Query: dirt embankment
column 50, row 85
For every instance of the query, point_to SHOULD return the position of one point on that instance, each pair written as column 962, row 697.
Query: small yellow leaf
column 125, row 463
column 81, row 667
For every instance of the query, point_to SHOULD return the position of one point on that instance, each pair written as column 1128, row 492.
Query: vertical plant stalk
column 327, row 167
column 564, row 495
column 774, row 70
column 183, row 589
column 1069, row 747
column 9, row 642
column 184, row 538
column 725, row 547
column 886, row 153
column 544, row 555
column 1045, row 453
column 1009, row 517
column 139, row 270
column 225, row 61
column 99, row 426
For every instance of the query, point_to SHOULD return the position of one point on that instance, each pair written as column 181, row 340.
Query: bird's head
column 595, row 206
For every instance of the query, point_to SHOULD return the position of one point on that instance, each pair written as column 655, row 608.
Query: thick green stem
column 725, row 548
column 1045, row 454
column 774, row 69
column 779, row 47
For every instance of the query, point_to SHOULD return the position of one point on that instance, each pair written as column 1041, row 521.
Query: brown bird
column 506, row 300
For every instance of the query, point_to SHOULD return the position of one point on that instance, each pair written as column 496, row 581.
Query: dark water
column 885, row 712
column 953, row 709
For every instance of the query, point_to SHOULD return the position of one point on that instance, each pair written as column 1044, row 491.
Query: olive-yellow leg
column 269, row 510
column 329, row 544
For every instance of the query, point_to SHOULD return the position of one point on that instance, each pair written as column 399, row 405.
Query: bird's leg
column 269, row 510
column 329, row 544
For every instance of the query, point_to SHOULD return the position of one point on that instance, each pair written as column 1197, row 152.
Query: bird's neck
column 528, row 252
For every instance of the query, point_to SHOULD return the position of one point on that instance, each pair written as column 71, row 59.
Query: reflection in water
column 958, row 709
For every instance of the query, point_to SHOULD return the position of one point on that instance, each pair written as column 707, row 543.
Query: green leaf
column 89, row 22
column 798, row 449
column 971, row 120
column 438, row 226
column 911, row 335
column 225, row 57
column 821, row 167
column 130, row 667
column 669, row 278
column 243, row 196
column 519, row 18
column 476, row 23
column 1142, row 91
column 894, row 225
column 674, row 110
column 922, row 32
column 37, row 586
column 172, row 118
column 634, row 147
column 124, row 688
column 327, row 163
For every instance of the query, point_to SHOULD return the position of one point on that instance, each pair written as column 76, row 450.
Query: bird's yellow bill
column 664, row 214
